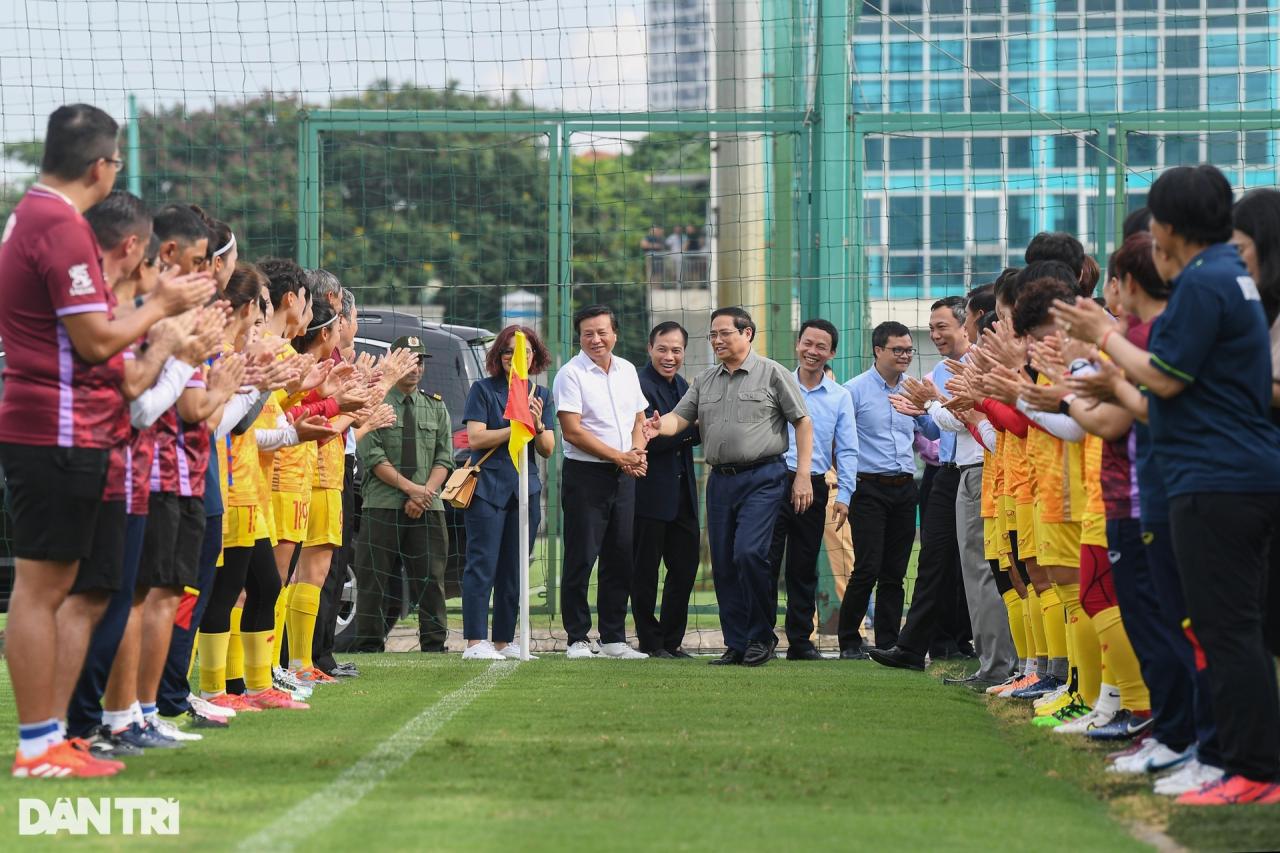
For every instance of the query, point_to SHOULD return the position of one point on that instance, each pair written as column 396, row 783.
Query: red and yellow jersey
column 1094, row 521
column 992, row 478
column 1059, row 471
column 243, row 471
column 1017, row 469
column 329, row 470
column 293, row 465
column 270, row 417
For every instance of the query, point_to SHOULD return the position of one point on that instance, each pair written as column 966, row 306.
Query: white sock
column 62, row 729
column 117, row 720
column 1108, row 700
column 1030, row 667
column 136, row 710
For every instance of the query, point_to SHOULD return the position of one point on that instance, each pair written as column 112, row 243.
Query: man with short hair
column 742, row 407
column 883, row 513
column 601, row 407
column 62, row 411
column 835, row 439
column 666, row 531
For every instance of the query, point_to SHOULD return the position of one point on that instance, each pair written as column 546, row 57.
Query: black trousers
column 1221, row 542
column 599, row 503
column 799, row 535
column 331, row 592
column 882, row 521
column 938, row 568
column 674, row 543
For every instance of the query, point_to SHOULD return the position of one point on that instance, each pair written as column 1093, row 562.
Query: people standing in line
column 883, row 513
column 601, row 408
column 405, row 466
column 666, row 531
column 835, row 442
column 742, row 407
column 493, row 518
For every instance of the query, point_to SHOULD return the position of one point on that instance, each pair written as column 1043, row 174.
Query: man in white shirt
column 601, row 410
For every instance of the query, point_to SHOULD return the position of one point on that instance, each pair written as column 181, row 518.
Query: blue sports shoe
column 146, row 737
column 1123, row 726
column 1046, row 684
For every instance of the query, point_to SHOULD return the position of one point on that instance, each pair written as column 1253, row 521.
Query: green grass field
column 602, row 755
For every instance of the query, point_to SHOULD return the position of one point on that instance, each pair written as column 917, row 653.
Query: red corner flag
column 522, row 425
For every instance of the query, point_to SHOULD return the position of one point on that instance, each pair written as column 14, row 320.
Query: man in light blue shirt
column 883, row 512
column 835, row 439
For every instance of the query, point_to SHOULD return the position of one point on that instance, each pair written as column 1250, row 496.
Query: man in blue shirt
column 883, row 512
column 835, row 439
column 1208, row 376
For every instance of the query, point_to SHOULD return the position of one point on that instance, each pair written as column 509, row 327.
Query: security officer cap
column 412, row 342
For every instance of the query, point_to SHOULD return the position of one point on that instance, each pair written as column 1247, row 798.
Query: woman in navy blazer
column 492, row 520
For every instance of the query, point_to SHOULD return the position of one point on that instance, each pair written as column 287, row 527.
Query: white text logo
column 101, row 816
column 81, row 281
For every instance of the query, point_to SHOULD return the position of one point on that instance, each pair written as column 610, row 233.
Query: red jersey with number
column 181, row 452
column 142, row 450
column 50, row 269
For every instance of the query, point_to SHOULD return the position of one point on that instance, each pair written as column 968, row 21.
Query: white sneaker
column 1152, row 758
column 1047, row 698
column 1080, row 725
column 511, row 651
column 482, row 650
column 580, row 651
column 621, row 651
column 1191, row 776
column 284, row 680
column 171, row 731
column 203, row 706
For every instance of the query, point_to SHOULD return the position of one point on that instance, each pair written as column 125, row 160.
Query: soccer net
column 461, row 166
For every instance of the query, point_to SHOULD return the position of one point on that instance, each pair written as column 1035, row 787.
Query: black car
column 457, row 361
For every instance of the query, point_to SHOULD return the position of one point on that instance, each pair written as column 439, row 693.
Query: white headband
column 227, row 248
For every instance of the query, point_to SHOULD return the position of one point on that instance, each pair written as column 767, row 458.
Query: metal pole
column 133, row 173
column 525, row 633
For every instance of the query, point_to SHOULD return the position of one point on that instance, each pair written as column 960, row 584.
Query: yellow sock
column 213, row 662
column 1015, row 607
column 235, row 648
column 257, row 660
column 1119, row 663
column 1035, row 612
column 1055, row 624
column 281, row 617
column 191, row 662
column 303, row 607
column 1088, row 653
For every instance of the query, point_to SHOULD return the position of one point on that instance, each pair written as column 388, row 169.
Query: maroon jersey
column 51, row 268
column 137, row 492
column 181, row 452
column 1119, row 457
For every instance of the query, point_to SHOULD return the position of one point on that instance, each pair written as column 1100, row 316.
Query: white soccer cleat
column 482, row 650
column 1191, row 776
column 621, row 651
column 1152, row 758
column 1080, row 725
column 580, row 651
column 203, row 706
column 511, row 651
column 171, row 731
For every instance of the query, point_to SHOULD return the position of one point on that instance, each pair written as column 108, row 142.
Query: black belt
column 888, row 479
column 822, row 477
column 743, row 467
column 961, row 467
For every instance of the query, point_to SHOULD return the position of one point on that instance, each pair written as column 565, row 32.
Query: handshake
column 634, row 462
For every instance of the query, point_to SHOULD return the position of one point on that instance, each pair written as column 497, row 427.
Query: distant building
column 679, row 55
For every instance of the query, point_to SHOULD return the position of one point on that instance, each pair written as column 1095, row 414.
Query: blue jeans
column 493, row 567
column 84, row 714
column 741, row 511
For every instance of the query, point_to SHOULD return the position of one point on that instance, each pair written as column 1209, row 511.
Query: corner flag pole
column 522, row 431
column 524, row 562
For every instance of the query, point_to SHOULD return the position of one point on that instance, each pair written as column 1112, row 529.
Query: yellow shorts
column 990, row 538
column 244, row 525
column 324, row 519
column 1058, row 544
column 1093, row 529
column 290, row 511
column 1025, row 516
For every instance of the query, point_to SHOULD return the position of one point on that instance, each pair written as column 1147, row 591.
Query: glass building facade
column 943, row 212
column 678, row 54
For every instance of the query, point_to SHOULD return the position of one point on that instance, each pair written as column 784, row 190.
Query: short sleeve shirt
column 608, row 403
column 50, row 269
column 1215, row 436
column 485, row 405
column 743, row 415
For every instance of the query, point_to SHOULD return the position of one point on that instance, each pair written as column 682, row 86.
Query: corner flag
column 522, row 425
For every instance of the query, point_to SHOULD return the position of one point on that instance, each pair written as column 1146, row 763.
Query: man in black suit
column 666, row 523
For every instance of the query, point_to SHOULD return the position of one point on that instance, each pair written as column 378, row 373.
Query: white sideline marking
column 324, row 806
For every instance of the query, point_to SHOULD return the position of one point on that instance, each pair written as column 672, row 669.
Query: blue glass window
column 1022, row 98
column 946, row 276
column 906, row 56
column 1019, row 152
column 866, row 58
column 1021, row 219
column 944, row 62
column 1101, row 95
column 983, row 97
column 1140, row 95
column 986, row 152
column 1100, row 53
column 871, row 221
column 1062, row 213
column 1140, row 52
column 1066, row 51
column 906, row 153
column 1142, row 149
column 986, row 219
column 875, row 275
column 1221, row 50
column 984, row 54
column 1257, row 147
column 1065, row 150
column 1181, row 93
column 906, row 96
column 946, row 152
column 905, row 275
column 873, row 154
column 905, row 214
column 986, row 268
column 1182, row 51
column 1022, row 54
column 1224, row 89
column 1258, row 88
column 1223, row 149
column 868, row 95
column 1181, row 150
column 947, row 96
column 1257, row 50
column 946, row 221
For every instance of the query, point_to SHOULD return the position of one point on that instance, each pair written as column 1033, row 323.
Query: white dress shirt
column 607, row 402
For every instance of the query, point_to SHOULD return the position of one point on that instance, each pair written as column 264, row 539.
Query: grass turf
column 635, row 756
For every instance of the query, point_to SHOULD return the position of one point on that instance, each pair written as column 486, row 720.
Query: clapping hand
column 902, row 405
column 1004, row 384
column 653, row 426
column 314, row 428
column 226, row 375
column 1043, row 398
column 1101, row 386
column 1084, row 320
column 1003, row 347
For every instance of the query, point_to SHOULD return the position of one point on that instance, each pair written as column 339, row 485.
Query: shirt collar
column 747, row 363
column 588, row 364
column 397, row 395
column 879, row 380
column 826, row 384
column 44, row 189
column 1207, row 254
column 652, row 371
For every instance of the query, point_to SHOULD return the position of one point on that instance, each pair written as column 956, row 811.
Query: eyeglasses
column 723, row 334
column 507, row 351
column 118, row 163
column 899, row 352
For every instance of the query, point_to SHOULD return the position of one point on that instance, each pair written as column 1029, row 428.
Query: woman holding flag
column 504, row 412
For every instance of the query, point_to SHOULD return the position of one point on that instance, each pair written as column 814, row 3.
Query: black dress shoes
column 757, row 654
column 897, row 658
column 731, row 657
column 856, row 653
column 678, row 652
column 807, row 653
column 661, row 654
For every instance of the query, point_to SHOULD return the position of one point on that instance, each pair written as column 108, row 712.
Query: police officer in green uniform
column 405, row 467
